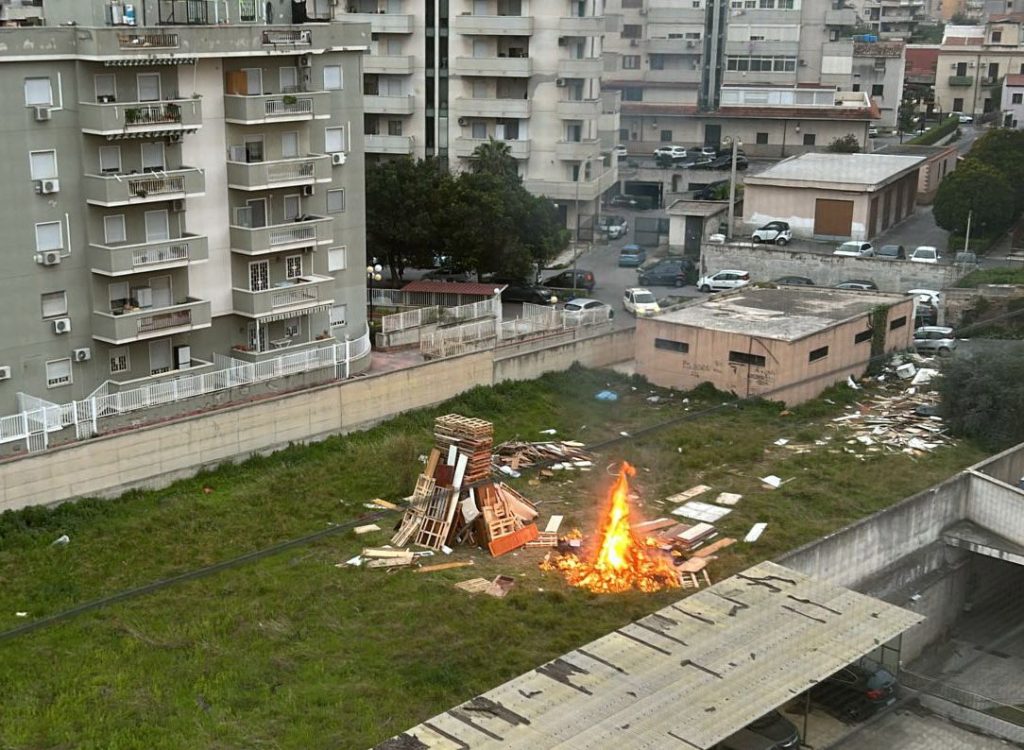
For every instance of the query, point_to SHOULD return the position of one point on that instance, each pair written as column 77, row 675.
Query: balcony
column 147, row 187
column 507, row 108
column 264, row 175
column 276, row 348
column 961, row 80
column 270, row 108
column 388, row 144
column 141, row 119
column 841, row 17
column 493, row 25
column 312, row 231
column 581, row 109
column 139, row 324
column 581, row 26
column 577, row 150
column 398, row 65
column 680, row 75
column 587, row 190
column 119, row 260
column 389, row 105
column 502, row 67
column 383, row 23
column 675, row 46
column 586, row 67
column 464, row 147
column 741, row 49
column 294, row 296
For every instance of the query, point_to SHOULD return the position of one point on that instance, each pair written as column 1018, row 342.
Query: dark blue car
column 631, row 256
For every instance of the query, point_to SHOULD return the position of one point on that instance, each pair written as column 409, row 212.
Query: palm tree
column 494, row 158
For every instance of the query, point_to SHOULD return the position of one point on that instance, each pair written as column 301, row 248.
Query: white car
column 728, row 279
column 581, row 311
column 641, row 302
column 774, row 231
column 925, row 254
column 674, row 152
column 855, row 249
column 709, row 151
column 620, row 151
column 872, row 132
column 962, row 118
column 926, row 296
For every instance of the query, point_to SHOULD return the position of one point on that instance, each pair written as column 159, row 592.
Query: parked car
column 856, row 691
column 891, row 252
column 962, row 118
column 620, row 151
column 613, row 226
column 631, row 256
column 872, row 132
column 709, row 191
column 777, row 232
column 641, row 302
column 709, row 151
column 925, row 254
column 582, row 310
column 578, row 279
column 793, row 281
column 939, row 340
column 520, row 290
column 863, row 285
column 723, row 162
column 623, row 201
column 449, row 275
column 773, row 731
column 666, row 272
column 855, row 249
column 673, row 152
column 728, row 279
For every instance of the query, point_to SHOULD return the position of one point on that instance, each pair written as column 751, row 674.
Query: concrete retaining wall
column 766, row 262
column 983, row 722
column 997, row 506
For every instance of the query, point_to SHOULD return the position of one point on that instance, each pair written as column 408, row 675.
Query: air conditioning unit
column 308, row 190
column 82, row 355
column 560, row 82
column 178, row 205
column 689, row 43
column 803, row 63
column 49, row 258
column 634, row 42
column 5, row 373
column 463, row 121
column 62, row 325
column 305, row 61
column 562, row 41
column 43, row 114
column 45, row 187
column 338, row 158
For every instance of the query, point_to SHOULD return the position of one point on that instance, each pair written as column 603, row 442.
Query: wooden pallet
column 544, row 539
column 457, row 425
column 437, row 519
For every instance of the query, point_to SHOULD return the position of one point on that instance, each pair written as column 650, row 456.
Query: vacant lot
column 293, row 652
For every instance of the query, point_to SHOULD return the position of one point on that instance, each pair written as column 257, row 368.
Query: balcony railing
column 313, row 230
column 394, row 105
column 116, row 260
column 581, row 25
column 388, row 144
column 287, row 37
column 577, row 150
column 961, row 80
column 135, row 325
column 289, row 296
column 519, row 149
column 584, row 67
column 125, row 189
column 267, row 108
column 508, row 108
column 494, row 66
column 383, row 23
column 142, row 118
column 578, row 108
column 388, row 64
column 149, row 41
column 493, row 25
column 262, row 175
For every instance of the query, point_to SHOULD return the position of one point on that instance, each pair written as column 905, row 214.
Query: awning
column 687, row 676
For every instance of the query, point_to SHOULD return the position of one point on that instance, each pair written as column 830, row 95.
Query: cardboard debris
column 755, row 532
column 520, row 455
column 772, row 481
column 474, row 585
column 366, row 529
column 701, row 511
column 499, row 587
column 728, row 498
column 682, row 497
column 553, row 523
column 391, row 562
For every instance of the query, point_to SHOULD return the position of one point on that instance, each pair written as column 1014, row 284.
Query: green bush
column 936, row 133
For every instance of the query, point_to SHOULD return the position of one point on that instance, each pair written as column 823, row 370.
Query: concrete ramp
column 974, row 538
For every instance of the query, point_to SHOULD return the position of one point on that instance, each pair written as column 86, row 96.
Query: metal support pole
column 576, row 241
column 732, row 189
column 967, row 236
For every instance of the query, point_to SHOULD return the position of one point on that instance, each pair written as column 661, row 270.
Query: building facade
column 1012, row 104
column 186, row 181
column 973, row 61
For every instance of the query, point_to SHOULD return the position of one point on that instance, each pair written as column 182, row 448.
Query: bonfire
column 620, row 562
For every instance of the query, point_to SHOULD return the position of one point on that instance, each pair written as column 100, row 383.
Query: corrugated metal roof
column 686, row 676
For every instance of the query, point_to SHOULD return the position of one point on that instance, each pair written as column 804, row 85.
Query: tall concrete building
column 973, row 61
column 444, row 77
column 185, row 180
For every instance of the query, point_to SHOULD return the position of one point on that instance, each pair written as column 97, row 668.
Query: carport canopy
column 687, row 676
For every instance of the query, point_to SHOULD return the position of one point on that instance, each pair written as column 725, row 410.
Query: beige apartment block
column 973, row 61
column 786, row 344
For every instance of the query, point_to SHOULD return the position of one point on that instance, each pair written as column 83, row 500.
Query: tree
column 978, row 189
column 1003, row 150
column 494, row 158
column 983, row 398
column 847, row 144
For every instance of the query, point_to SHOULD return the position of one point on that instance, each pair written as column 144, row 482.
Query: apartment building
column 184, row 181
column 443, row 78
column 1012, row 105
column 973, row 61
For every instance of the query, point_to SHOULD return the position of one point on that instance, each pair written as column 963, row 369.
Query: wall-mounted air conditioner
column 62, row 325
column 46, row 187
column 5, row 373
column 338, row 158
column 308, row 190
column 49, row 258
column 43, row 114
column 82, row 355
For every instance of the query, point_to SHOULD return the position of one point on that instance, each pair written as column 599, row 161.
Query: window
column 856, row 87
column 334, row 140
column 743, row 358
column 49, row 236
column 291, row 328
column 817, row 354
column 113, row 229
column 38, row 92
column 110, row 159
column 631, row 62
column 479, row 130
column 335, row 201
column 810, row 139
column 863, row 336
column 394, row 127
column 119, row 360
column 337, row 258
column 632, row 94
column 54, row 304
column 58, row 372
column 43, row 164
column 657, row 62
column 289, row 144
column 289, row 79
column 292, row 206
column 897, row 323
column 877, row 90
column 259, row 276
column 833, row 35
column 153, row 157
column 958, row 105
column 762, row 138
column 631, row 31
column 105, row 86
column 1018, row 98
column 997, row 37
column 666, row 136
column 673, row 346
column 339, row 315
column 293, row 267
column 332, row 78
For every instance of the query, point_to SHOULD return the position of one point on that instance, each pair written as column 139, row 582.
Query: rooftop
column 684, row 207
column 784, row 313
column 910, row 149
column 1015, row 79
column 851, row 171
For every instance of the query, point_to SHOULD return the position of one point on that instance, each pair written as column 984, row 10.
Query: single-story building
column 1012, row 104
column 786, row 343
column 834, row 196
column 691, row 222
column 938, row 162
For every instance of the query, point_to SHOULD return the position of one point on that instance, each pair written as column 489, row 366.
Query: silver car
column 935, row 340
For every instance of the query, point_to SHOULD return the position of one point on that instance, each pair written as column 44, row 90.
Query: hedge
column 937, row 133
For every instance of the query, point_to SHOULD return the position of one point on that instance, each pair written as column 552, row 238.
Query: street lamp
column 735, row 143
column 372, row 274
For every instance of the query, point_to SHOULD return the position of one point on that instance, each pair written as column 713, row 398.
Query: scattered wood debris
column 499, row 587
column 565, row 454
column 443, row 566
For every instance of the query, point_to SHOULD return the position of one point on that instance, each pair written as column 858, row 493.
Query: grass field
column 293, row 652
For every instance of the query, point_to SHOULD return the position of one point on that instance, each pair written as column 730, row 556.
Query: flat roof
column 687, row 676
column 845, row 171
column 685, row 207
column 911, row 149
column 785, row 313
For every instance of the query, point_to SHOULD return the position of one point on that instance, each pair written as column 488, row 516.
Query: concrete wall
column 1007, row 466
column 997, row 506
column 764, row 203
column 766, row 262
column 523, row 362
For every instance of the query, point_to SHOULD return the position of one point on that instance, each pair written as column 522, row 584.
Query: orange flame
column 621, row 563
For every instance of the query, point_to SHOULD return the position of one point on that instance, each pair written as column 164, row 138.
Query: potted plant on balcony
column 131, row 115
column 290, row 100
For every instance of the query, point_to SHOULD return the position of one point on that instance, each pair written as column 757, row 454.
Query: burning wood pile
column 455, row 500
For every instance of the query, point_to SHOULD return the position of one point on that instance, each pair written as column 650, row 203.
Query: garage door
column 833, row 218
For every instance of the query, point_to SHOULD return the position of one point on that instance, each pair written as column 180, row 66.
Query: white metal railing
column 410, row 319
column 128, row 41
column 140, row 188
column 147, row 256
column 447, row 342
column 290, row 170
column 297, row 296
column 279, row 107
column 37, row 418
column 482, row 309
column 291, row 234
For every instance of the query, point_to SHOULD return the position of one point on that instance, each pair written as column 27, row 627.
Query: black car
column 891, row 252
column 723, row 162
column 667, row 272
column 449, row 275
column 773, row 731
column 708, row 192
column 564, row 280
column 863, row 285
column 793, row 281
column 520, row 290
column 856, row 691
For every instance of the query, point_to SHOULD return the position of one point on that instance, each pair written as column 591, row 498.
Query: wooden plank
column 432, row 462
column 452, row 452
column 382, row 503
column 460, row 470
column 385, row 552
column 515, row 540
column 474, row 585
column 646, row 527
column 693, row 492
column 366, row 529
column 714, row 547
column 553, row 523
column 390, row 562
column 544, row 539
column 443, row 566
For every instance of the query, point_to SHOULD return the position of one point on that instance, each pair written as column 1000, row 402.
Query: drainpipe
column 785, row 127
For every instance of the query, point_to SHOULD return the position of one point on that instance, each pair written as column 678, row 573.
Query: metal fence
column 942, row 689
column 450, row 342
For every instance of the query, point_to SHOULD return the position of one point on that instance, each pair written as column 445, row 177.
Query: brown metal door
column 833, row 218
column 873, row 218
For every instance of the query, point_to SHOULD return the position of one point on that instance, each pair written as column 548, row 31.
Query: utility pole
column 967, row 236
column 732, row 186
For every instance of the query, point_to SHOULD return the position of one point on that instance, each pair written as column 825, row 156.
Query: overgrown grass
column 293, row 652
column 992, row 276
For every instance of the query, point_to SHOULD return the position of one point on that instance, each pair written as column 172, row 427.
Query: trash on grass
column 607, row 396
column 755, row 532
column 60, row 541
